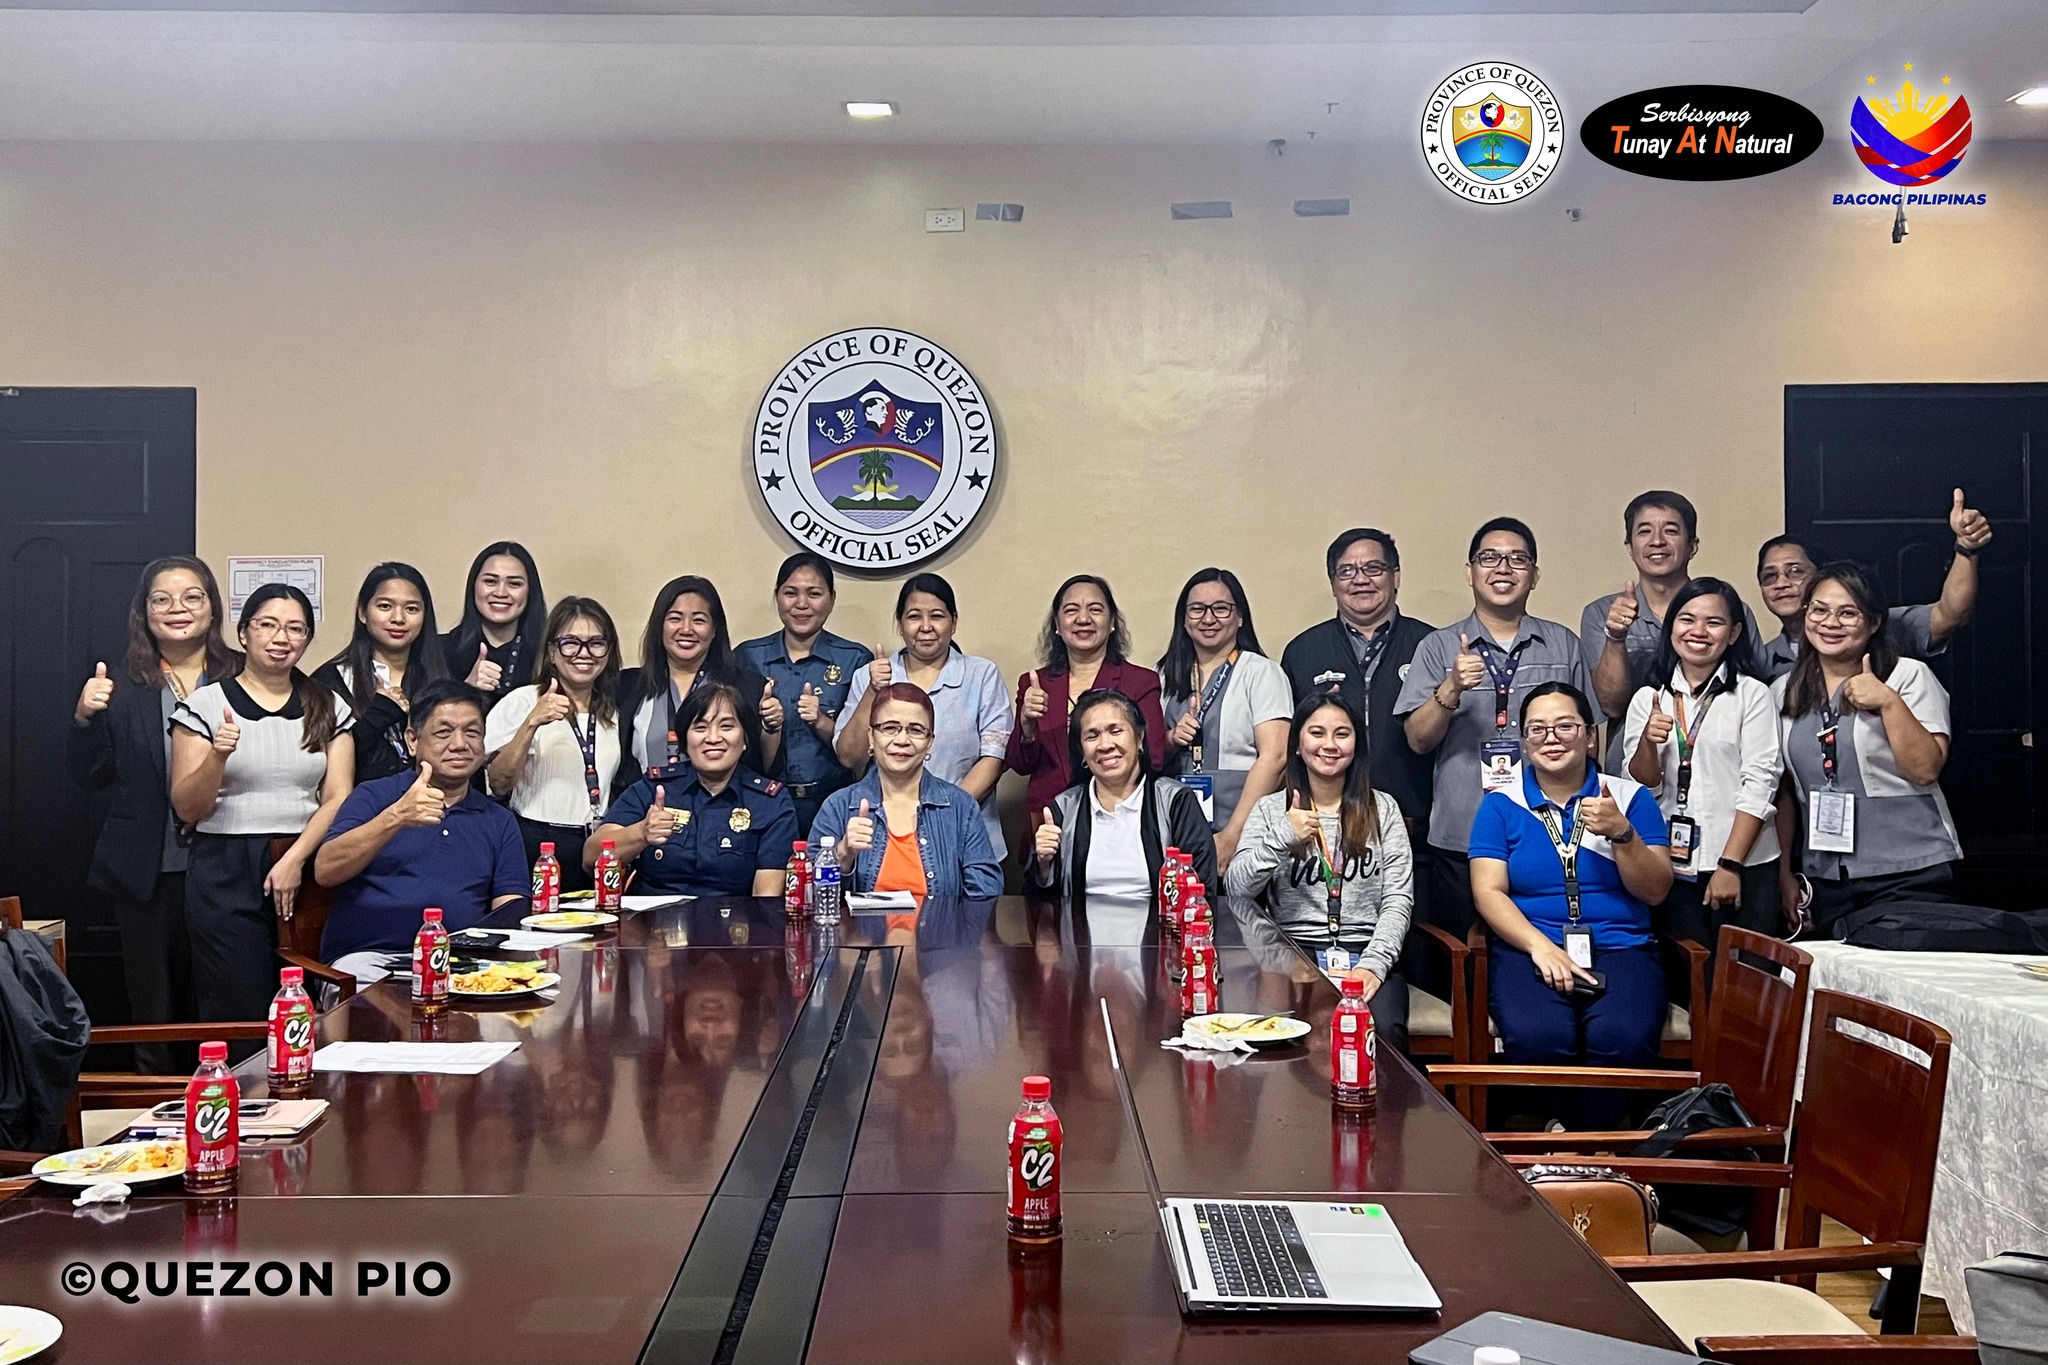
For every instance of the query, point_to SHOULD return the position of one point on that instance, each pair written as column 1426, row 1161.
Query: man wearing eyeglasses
column 1785, row 567
column 1364, row 654
column 1462, row 701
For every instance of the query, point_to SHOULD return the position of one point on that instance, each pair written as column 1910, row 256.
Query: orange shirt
column 902, row 867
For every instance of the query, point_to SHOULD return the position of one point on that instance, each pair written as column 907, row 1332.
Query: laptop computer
column 1277, row 1256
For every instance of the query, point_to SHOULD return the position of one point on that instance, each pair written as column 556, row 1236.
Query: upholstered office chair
column 1438, row 1027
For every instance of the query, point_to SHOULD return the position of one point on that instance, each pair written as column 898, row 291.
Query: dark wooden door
column 98, row 483
column 1869, row 471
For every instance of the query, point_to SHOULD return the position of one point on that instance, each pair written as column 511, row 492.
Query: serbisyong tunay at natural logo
column 1701, row 132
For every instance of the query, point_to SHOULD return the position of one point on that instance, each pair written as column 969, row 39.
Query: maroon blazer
column 1044, row 760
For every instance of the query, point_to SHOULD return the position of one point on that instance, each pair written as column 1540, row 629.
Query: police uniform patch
column 832, row 673
column 1404, row 671
column 682, row 818
column 740, row 820
column 771, row 786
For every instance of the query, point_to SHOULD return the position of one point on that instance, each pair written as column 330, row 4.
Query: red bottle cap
column 611, row 844
column 432, row 914
column 800, row 846
column 213, row 1052
column 1350, row 986
column 1036, row 1088
column 547, row 846
column 1175, row 854
column 291, row 976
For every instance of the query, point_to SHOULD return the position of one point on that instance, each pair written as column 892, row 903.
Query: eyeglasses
column 1788, row 573
column 1517, row 560
column 1374, row 569
column 1566, row 730
column 1211, row 611
column 1820, row 614
column 896, row 729
column 583, row 646
column 291, row 630
column 195, row 600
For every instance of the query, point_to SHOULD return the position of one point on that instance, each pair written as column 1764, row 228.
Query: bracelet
column 1449, row 706
column 1966, row 551
column 1730, row 865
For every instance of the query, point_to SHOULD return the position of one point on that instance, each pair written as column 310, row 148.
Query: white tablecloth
column 1991, row 1176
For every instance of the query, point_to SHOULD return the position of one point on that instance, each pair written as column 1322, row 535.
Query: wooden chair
column 1751, row 1044
column 301, row 933
column 1859, row 1349
column 1439, row 1027
column 1863, row 1154
column 11, row 919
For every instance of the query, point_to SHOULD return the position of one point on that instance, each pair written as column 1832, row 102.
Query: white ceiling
column 474, row 76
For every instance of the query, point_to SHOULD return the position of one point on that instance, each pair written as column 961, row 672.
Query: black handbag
column 1715, row 1210
column 1944, row 927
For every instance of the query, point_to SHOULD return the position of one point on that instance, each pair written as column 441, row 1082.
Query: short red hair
column 910, row 694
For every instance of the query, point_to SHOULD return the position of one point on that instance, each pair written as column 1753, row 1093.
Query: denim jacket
column 952, row 840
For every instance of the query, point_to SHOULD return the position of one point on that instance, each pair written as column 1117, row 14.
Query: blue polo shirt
column 720, row 840
column 1508, row 828
column 807, row 759
column 471, row 858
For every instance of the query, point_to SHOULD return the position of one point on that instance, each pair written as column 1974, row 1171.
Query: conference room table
column 731, row 1136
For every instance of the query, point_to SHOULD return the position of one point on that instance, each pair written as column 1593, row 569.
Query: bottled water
column 826, row 895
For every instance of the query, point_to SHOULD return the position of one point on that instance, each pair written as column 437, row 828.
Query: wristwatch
column 1967, row 552
column 1628, row 836
column 1730, row 865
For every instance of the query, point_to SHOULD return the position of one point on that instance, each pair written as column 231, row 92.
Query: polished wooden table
column 732, row 1138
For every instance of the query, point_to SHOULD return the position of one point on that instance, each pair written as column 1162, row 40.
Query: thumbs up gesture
column 99, row 690
column 1603, row 815
column 1972, row 528
column 881, row 672
column 422, row 806
column 1468, row 670
column 771, row 708
column 1622, row 613
column 1302, row 823
column 552, row 706
column 227, row 734
column 1865, row 691
column 1657, row 728
column 660, row 821
column 807, row 705
column 1031, row 705
column 860, row 833
column 484, row 675
column 1045, row 842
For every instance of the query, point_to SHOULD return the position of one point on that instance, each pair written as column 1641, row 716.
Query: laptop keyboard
column 1256, row 1251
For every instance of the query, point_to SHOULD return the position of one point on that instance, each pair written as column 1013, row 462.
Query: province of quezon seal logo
column 1492, row 133
column 874, row 447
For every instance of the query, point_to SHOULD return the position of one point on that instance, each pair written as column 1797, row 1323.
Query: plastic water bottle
column 826, row 892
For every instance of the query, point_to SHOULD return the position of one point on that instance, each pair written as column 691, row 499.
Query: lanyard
column 1218, row 680
column 1830, row 722
column 1688, row 736
column 509, row 677
column 178, row 692
column 1366, row 649
column 589, row 747
column 1503, row 675
column 665, row 712
column 1567, row 853
column 1333, row 882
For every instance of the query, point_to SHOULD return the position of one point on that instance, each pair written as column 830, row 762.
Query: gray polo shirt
column 1645, row 633
column 1552, row 655
column 1911, row 629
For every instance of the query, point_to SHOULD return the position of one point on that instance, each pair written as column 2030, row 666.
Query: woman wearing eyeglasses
column 1865, row 734
column 1565, row 866
column 120, row 739
column 554, row 743
column 901, row 827
column 1225, row 703
column 259, row 756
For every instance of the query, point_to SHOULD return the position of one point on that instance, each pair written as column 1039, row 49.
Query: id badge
column 1578, row 946
column 1497, row 760
column 1831, row 823
column 1335, row 960
column 1203, row 785
column 1685, row 838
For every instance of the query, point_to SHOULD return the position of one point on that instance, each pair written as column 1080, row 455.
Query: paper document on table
column 531, row 940
column 881, row 900
column 439, row 1059
column 630, row 904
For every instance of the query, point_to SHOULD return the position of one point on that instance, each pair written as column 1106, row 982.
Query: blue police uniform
column 720, row 841
column 811, row 770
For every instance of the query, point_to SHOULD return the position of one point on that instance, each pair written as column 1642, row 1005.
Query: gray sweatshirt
column 1379, row 880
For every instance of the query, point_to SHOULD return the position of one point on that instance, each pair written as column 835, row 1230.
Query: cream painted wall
column 407, row 351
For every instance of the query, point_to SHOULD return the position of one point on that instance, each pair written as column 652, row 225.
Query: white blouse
column 1735, row 764
column 270, row 784
column 553, row 788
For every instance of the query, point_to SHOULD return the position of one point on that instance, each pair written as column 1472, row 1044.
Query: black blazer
column 751, row 684
column 1324, row 649
column 123, row 748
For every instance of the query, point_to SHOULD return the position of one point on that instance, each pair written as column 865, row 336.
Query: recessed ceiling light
column 2035, row 98
column 870, row 109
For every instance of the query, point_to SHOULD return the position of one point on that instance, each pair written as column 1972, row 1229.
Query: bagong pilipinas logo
column 874, row 447
column 1911, row 140
column 1492, row 133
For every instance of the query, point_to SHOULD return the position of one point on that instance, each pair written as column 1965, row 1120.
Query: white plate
column 584, row 919
column 26, row 1331
column 1283, row 1031
column 541, row 981
column 69, row 1168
